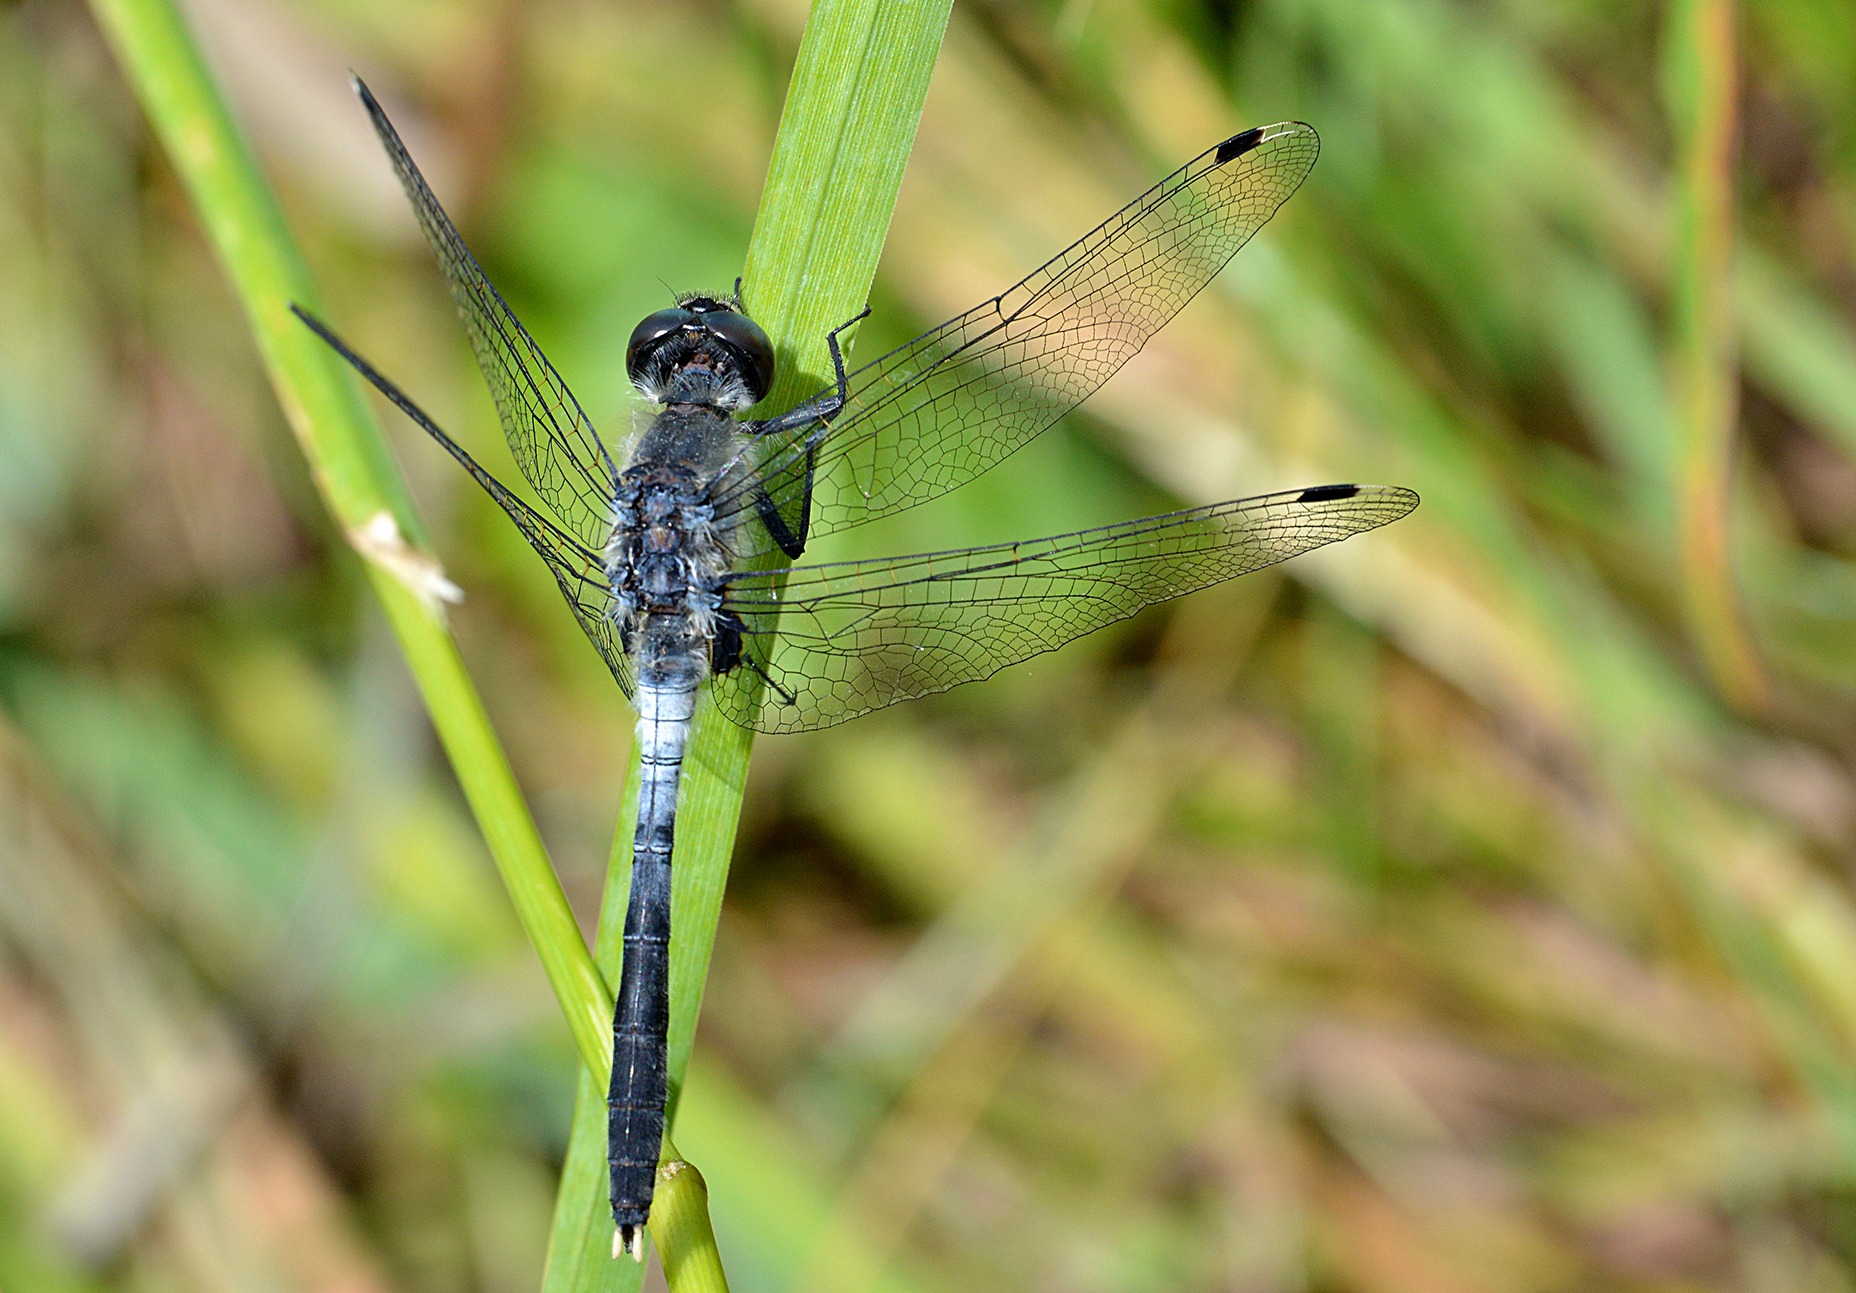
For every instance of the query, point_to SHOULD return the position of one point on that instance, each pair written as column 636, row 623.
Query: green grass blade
column 352, row 468
column 844, row 140
column 1702, row 75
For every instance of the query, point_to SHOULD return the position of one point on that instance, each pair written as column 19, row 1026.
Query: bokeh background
column 1467, row 907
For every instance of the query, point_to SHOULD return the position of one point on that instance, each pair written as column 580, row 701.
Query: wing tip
column 1327, row 493
column 1397, row 494
column 1237, row 145
column 383, row 127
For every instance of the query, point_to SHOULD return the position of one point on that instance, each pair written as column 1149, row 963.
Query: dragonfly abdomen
column 663, row 560
column 635, row 1102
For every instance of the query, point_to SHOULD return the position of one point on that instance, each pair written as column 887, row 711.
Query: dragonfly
column 677, row 557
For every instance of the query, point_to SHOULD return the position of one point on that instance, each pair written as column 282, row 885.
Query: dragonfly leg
column 725, row 646
column 837, row 355
column 786, row 697
column 791, row 543
column 819, row 411
column 822, row 407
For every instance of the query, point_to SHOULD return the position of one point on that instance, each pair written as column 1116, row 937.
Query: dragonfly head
column 703, row 351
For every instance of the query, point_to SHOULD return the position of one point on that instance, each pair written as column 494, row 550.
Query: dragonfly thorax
column 665, row 561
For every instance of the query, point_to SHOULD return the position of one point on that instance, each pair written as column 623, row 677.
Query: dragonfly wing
column 835, row 641
column 582, row 582
column 957, row 400
column 576, row 568
column 554, row 443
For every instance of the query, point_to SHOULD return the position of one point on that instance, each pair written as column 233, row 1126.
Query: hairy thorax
column 666, row 559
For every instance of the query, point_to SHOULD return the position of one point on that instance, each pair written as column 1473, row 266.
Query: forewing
column 576, row 568
column 957, row 400
column 839, row 640
column 553, row 441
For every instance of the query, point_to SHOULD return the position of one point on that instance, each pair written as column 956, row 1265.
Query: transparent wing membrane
column 553, row 441
column 957, row 400
column 833, row 641
column 856, row 636
column 577, row 570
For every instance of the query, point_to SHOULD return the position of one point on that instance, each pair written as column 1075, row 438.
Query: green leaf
column 844, row 140
column 354, row 472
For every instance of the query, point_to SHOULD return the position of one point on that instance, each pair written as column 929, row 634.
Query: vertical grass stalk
column 1701, row 79
column 353, row 470
column 843, row 143
column 844, row 140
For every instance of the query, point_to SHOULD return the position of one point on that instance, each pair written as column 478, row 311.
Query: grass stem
column 1702, row 76
column 843, row 143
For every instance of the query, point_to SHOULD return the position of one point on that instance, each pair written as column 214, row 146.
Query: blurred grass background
column 1466, row 907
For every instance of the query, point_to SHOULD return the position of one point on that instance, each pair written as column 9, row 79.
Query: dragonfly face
column 704, row 351
column 662, row 560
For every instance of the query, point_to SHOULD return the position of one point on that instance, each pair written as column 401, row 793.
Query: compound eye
column 744, row 336
column 650, row 334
